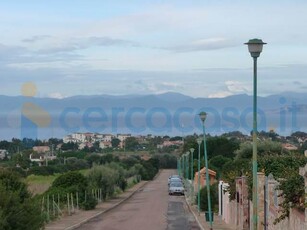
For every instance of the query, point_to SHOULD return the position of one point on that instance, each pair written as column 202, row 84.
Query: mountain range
column 162, row 113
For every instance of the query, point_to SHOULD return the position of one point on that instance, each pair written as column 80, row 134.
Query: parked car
column 174, row 178
column 176, row 188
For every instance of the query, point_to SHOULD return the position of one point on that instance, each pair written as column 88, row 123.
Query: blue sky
column 75, row 47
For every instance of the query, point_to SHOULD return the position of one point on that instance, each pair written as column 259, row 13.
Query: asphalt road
column 151, row 208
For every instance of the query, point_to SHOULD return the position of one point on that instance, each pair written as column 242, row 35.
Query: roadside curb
column 195, row 216
column 105, row 211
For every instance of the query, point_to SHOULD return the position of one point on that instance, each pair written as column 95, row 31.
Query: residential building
column 41, row 149
column 212, row 175
column 3, row 154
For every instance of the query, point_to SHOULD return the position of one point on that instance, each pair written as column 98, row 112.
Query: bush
column 68, row 183
column 89, row 203
column 104, row 178
column 204, row 198
column 18, row 210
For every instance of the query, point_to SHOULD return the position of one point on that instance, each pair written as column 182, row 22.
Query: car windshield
column 175, row 179
column 176, row 185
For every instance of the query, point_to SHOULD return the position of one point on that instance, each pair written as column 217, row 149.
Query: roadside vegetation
column 29, row 192
column 230, row 155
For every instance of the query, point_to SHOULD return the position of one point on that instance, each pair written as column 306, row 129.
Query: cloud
column 11, row 53
column 297, row 83
column 204, row 44
column 232, row 88
column 156, row 87
column 220, row 94
column 75, row 44
column 36, row 38
column 56, row 95
column 237, row 87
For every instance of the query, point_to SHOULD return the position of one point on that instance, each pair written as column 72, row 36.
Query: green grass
column 39, row 184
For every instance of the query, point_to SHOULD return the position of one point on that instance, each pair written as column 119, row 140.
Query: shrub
column 18, row 210
column 204, row 197
column 89, row 203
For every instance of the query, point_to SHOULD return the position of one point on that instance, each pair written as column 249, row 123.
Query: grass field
column 40, row 184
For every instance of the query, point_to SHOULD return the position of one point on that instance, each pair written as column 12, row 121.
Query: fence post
column 43, row 201
column 72, row 203
column 48, row 217
column 58, row 200
column 53, row 205
column 68, row 207
column 77, row 198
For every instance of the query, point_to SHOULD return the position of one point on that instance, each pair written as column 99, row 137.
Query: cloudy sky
column 90, row 47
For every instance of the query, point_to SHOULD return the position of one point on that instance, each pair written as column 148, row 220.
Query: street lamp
column 199, row 140
column 192, row 174
column 192, row 171
column 183, row 166
column 255, row 47
column 203, row 116
column 178, row 166
column 188, row 164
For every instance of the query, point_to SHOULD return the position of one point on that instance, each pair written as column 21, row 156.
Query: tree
column 217, row 162
column 115, row 142
column 18, row 210
column 69, row 146
column 93, row 159
column 131, row 143
column 104, row 178
column 221, row 146
column 204, row 197
column 264, row 148
column 176, row 138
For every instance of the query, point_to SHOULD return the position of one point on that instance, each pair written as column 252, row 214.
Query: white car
column 174, row 178
column 176, row 188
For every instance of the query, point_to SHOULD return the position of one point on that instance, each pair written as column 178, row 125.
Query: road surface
column 151, row 208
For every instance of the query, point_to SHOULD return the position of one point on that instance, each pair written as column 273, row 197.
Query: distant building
column 41, row 149
column 289, row 147
column 41, row 158
column 123, row 137
column 85, row 144
column 3, row 153
column 212, row 175
column 105, row 144
column 169, row 143
column 69, row 138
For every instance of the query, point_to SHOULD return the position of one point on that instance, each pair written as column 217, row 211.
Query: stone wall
column 239, row 212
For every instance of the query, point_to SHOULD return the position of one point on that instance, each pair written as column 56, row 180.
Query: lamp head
column 191, row 150
column 203, row 116
column 255, row 47
column 199, row 140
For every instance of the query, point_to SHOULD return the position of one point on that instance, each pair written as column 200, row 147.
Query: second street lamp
column 192, row 174
column 255, row 48
column 199, row 140
column 203, row 117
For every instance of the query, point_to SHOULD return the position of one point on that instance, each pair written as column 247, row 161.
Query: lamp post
column 188, row 164
column 199, row 140
column 183, row 166
column 203, row 117
column 192, row 170
column 255, row 47
column 192, row 174
column 178, row 165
